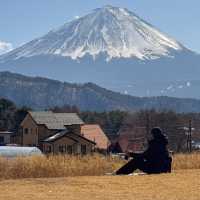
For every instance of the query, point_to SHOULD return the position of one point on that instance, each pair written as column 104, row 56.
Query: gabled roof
column 58, row 136
column 56, row 121
column 66, row 133
column 95, row 133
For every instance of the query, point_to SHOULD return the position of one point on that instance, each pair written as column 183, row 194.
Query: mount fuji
column 114, row 48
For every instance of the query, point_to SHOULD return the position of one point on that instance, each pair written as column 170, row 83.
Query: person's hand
column 128, row 155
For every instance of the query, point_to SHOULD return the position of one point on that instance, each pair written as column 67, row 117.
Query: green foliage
column 110, row 122
column 65, row 109
column 19, row 116
column 7, row 110
column 10, row 115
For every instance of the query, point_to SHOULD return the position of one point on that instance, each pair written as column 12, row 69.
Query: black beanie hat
column 157, row 132
column 159, row 135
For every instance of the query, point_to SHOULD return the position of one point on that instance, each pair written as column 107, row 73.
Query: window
column 83, row 149
column 1, row 140
column 48, row 149
column 26, row 130
column 69, row 149
column 62, row 148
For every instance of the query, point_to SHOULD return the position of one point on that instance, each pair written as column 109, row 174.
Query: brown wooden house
column 67, row 142
column 54, row 133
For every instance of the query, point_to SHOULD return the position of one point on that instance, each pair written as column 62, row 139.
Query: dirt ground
column 180, row 185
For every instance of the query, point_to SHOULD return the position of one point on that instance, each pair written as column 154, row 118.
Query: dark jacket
column 157, row 155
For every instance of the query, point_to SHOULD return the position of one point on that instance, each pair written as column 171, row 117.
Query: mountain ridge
column 43, row 93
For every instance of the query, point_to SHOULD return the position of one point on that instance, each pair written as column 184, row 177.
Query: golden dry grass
column 180, row 185
column 64, row 166
column 186, row 161
column 56, row 166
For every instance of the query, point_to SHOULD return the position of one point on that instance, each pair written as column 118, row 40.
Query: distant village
column 57, row 133
column 65, row 133
column 65, row 130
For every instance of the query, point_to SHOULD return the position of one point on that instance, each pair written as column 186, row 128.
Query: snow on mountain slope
column 115, row 32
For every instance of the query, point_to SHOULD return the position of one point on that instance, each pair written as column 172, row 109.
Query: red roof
column 94, row 133
column 128, row 143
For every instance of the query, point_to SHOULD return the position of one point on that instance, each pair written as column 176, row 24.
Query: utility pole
column 189, row 137
column 188, row 132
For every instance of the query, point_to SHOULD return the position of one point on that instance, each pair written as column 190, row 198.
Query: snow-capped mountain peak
column 115, row 32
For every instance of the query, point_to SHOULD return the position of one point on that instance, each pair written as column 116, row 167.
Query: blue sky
column 24, row 20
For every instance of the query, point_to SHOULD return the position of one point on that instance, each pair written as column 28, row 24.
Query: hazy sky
column 24, row 20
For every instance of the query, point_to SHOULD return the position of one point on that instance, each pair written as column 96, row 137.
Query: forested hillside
column 42, row 93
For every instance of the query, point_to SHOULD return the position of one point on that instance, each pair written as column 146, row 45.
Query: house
column 68, row 142
column 130, row 143
column 133, row 140
column 5, row 137
column 54, row 133
column 126, row 143
column 94, row 133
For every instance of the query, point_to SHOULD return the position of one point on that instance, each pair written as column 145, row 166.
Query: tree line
column 117, row 122
column 10, row 115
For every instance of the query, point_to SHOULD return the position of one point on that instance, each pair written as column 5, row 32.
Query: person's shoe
column 111, row 174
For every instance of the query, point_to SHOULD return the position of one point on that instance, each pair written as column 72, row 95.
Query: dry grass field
column 64, row 166
column 57, row 166
column 81, row 178
column 180, row 185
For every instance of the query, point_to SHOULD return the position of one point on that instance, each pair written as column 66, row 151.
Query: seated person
column 154, row 160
